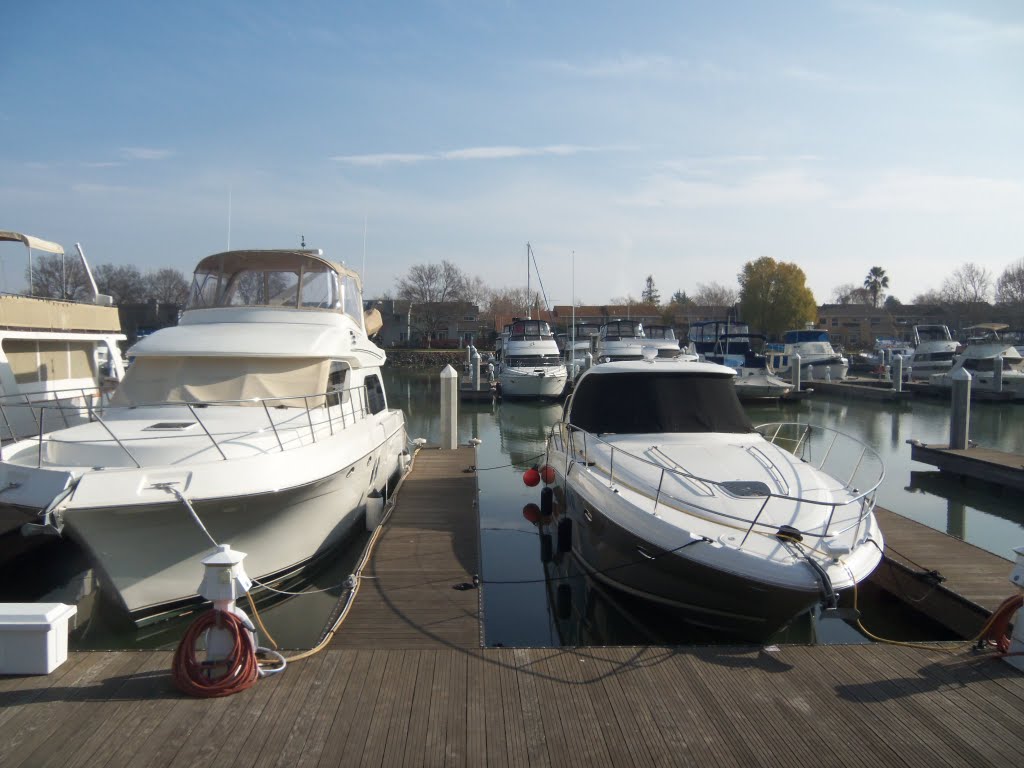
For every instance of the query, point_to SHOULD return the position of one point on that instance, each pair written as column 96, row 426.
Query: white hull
column 524, row 383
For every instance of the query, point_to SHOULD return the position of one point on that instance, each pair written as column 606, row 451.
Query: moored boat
column 260, row 421
column 666, row 491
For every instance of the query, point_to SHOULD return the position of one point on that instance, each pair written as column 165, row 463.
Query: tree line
column 54, row 277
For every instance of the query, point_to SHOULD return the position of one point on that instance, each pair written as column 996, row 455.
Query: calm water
column 528, row 603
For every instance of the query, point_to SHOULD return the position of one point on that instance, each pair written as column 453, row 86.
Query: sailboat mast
column 529, row 305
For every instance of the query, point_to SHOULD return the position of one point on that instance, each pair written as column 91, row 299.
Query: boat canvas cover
column 152, row 380
column 643, row 403
column 33, row 243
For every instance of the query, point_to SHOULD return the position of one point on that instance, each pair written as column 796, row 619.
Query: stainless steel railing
column 828, row 450
column 311, row 416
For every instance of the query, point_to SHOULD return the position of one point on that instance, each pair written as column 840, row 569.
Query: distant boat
column 529, row 365
column 818, row 359
column 987, row 350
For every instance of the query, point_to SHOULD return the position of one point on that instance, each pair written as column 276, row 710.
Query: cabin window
column 249, row 288
column 336, row 381
column 320, row 288
column 375, row 394
column 351, row 299
column 658, row 403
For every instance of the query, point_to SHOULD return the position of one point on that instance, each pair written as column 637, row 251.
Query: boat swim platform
column 999, row 468
column 857, row 705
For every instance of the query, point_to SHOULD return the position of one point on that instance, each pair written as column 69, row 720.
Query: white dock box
column 33, row 637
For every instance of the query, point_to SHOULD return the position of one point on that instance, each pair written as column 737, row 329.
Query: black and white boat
column 664, row 489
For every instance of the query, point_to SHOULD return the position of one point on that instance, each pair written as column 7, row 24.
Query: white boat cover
column 152, row 380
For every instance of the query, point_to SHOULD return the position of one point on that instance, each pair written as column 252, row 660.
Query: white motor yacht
column 575, row 345
column 54, row 350
column 529, row 364
column 933, row 352
column 665, row 490
column 818, row 359
column 260, row 421
column 986, row 352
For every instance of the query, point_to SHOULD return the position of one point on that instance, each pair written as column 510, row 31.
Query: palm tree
column 875, row 282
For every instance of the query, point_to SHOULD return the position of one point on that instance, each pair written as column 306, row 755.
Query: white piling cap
column 225, row 555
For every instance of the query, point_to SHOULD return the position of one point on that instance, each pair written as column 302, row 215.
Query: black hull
column 740, row 607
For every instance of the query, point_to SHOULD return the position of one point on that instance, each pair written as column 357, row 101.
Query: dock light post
column 960, row 412
column 449, row 409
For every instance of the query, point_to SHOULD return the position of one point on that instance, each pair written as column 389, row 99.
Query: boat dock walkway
column 405, row 683
column 992, row 466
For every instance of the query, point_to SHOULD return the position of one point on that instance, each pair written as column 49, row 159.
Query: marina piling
column 449, row 409
column 960, row 412
column 897, row 373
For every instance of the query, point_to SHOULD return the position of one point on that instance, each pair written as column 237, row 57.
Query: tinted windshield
column 628, row 403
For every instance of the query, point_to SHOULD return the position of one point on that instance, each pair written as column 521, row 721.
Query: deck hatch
column 169, row 426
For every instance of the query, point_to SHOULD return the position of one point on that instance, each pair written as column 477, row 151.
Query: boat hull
column 529, row 385
column 730, row 603
column 278, row 532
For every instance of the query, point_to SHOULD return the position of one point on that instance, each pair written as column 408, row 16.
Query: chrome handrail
column 864, row 497
column 92, row 414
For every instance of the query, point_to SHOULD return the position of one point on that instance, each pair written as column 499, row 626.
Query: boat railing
column 309, row 417
column 21, row 414
column 849, row 461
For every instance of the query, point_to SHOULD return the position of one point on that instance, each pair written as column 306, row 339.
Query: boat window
column 527, row 361
column 352, row 300
column 251, row 288
column 336, row 380
column 204, row 290
column 375, row 394
column 628, row 403
column 320, row 288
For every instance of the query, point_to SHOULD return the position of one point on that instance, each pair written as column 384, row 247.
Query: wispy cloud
column 933, row 193
column 145, row 153
column 944, row 29
column 108, row 164
column 468, row 153
column 97, row 190
column 784, row 187
column 633, row 65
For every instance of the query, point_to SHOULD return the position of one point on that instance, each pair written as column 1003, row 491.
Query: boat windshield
column 810, row 334
column 273, row 279
column 658, row 402
column 529, row 361
column 529, row 330
column 660, row 332
column 933, row 333
column 622, row 329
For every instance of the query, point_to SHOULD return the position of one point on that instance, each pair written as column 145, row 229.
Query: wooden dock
column 992, row 466
column 973, row 581
column 405, row 683
column 429, row 547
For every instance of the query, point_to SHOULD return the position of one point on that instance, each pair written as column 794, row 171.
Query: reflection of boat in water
column 672, row 495
column 523, row 428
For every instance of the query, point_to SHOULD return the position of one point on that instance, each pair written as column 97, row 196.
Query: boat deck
column 992, row 466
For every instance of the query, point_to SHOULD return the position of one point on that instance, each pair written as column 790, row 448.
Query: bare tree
column 969, row 284
column 848, row 293
column 58, row 277
column 167, row 286
column 432, row 283
column 929, row 297
column 1010, row 286
column 123, row 282
column 715, row 295
column 508, row 301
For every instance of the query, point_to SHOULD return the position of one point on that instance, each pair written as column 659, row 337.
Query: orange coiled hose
column 206, row 679
column 997, row 629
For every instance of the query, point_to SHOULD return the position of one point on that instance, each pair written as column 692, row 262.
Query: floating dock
column 406, row 682
column 998, row 467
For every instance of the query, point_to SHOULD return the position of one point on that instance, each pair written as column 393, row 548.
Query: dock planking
column 429, row 544
column 830, row 705
column 405, row 682
column 997, row 467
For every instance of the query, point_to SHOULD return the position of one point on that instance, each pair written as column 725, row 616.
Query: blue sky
column 677, row 139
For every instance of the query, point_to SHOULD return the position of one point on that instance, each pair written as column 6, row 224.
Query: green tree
column 650, row 294
column 875, row 283
column 680, row 298
column 774, row 296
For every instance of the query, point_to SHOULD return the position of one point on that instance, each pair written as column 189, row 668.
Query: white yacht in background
column 664, row 490
column 54, row 351
column 575, row 345
column 260, row 421
column 529, row 363
column 934, row 349
column 987, row 350
column 818, row 359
